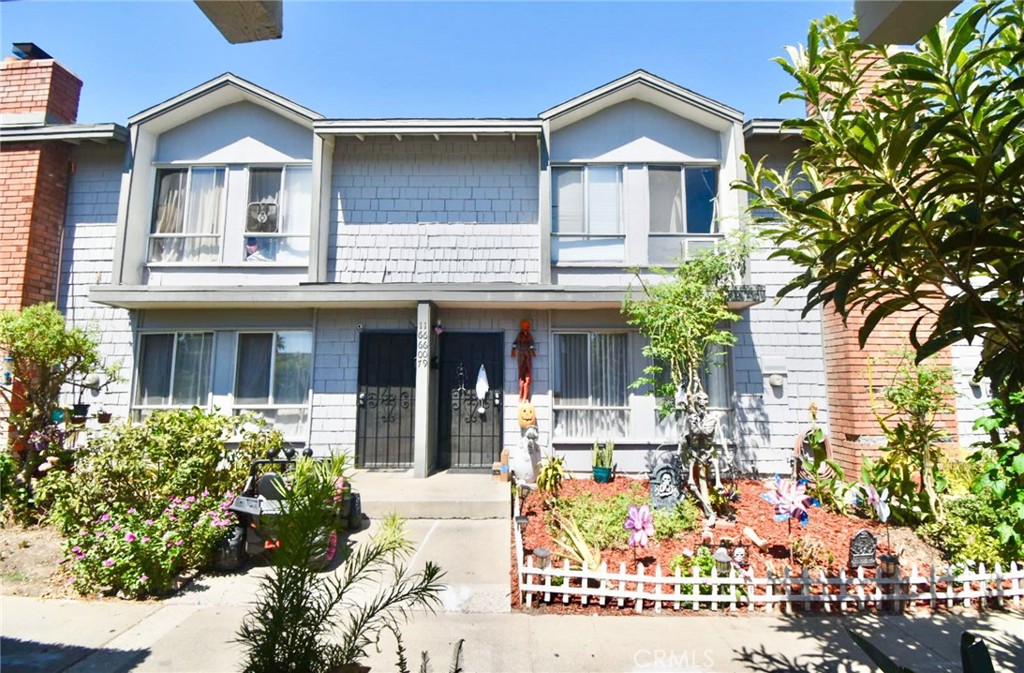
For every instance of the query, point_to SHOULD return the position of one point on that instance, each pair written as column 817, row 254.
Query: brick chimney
column 35, row 92
column 854, row 432
column 35, row 89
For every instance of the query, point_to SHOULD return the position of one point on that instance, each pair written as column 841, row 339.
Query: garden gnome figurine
column 524, row 458
column 523, row 351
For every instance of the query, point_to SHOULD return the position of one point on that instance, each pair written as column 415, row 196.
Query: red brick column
column 854, row 431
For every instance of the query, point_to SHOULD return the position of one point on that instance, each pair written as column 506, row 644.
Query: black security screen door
column 469, row 428
column 386, row 399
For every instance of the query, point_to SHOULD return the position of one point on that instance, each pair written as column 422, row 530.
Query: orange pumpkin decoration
column 527, row 414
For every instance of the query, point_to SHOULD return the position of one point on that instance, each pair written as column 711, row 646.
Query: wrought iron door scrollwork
column 387, row 401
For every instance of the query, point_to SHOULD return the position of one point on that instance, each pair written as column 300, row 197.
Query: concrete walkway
column 195, row 630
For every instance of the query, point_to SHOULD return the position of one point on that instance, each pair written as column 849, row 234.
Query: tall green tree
column 909, row 190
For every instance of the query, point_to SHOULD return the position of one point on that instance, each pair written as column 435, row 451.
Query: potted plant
column 602, row 461
column 103, row 416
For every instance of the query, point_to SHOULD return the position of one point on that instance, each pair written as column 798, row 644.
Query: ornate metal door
column 469, row 427
column 386, row 399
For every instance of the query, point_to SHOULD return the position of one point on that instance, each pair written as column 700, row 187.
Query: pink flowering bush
column 136, row 554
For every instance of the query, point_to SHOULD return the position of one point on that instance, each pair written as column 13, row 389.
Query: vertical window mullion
column 273, row 362
column 682, row 191
column 586, row 199
column 174, row 359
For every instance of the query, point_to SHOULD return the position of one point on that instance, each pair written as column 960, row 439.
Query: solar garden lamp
column 543, row 556
column 723, row 561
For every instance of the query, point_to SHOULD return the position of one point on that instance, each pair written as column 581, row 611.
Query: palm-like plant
column 309, row 622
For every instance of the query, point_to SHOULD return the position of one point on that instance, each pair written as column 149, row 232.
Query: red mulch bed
column 833, row 530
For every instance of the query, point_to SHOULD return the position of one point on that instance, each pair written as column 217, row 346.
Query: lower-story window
column 174, row 371
column 591, row 376
column 272, row 378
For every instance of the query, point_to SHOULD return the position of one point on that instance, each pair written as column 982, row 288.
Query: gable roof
column 642, row 85
column 218, row 92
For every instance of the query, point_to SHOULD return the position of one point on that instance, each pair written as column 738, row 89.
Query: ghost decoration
column 482, row 386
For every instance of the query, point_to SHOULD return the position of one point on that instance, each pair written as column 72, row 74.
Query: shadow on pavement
column 29, row 656
column 923, row 643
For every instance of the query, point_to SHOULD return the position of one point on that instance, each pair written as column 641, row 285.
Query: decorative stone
column 665, row 486
column 863, row 547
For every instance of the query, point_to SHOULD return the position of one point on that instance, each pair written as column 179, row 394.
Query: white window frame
column 239, row 407
column 282, row 209
column 139, row 411
column 555, row 406
column 222, row 225
column 715, row 226
column 232, row 223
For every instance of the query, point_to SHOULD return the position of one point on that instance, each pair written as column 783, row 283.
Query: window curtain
column 155, row 369
column 571, row 384
column 204, row 213
column 298, row 209
column 170, row 202
column 568, row 216
column 603, row 207
column 608, row 370
column 666, row 199
column 192, row 369
column 252, row 381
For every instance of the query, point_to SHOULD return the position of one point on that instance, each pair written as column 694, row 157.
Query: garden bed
column 627, row 581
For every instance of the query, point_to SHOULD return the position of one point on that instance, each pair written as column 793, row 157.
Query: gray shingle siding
column 447, row 211
column 87, row 259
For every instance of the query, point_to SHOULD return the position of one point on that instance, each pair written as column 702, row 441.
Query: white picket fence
column 642, row 589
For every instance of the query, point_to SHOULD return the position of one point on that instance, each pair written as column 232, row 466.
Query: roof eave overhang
column 769, row 127
column 69, row 133
column 174, row 111
column 338, row 296
column 706, row 110
column 426, row 127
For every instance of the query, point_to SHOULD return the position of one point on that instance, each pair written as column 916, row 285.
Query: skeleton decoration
column 698, row 454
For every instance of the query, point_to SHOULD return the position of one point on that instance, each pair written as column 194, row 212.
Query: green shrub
column 966, row 531
column 171, row 454
column 702, row 560
column 133, row 555
column 168, row 480
column 669, row 523
column 1001, row 467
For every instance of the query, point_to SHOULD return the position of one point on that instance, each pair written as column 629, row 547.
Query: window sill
column 220, row 265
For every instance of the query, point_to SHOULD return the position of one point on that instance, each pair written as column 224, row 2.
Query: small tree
column 684, row 317
column 910, row 465
column 43, row 354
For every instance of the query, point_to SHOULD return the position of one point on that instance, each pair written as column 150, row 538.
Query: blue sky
column 422, row 59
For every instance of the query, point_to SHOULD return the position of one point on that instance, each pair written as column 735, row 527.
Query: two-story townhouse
column 353, row 280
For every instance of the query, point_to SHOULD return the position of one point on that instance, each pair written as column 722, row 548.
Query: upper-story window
column 188, row 215
column 682, row 199
column 230, row 215
column 277, row 214
column 587, row 218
